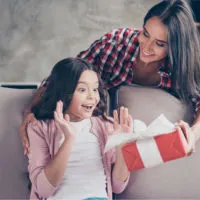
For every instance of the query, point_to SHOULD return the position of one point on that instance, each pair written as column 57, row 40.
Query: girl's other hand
column 23, row 132
column 63, row 121
column 123, row 122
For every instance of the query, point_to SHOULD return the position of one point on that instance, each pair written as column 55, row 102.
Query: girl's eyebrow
column 87, row 82
column 156, row 39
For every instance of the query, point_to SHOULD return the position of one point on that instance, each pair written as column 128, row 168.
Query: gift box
column 154, row 151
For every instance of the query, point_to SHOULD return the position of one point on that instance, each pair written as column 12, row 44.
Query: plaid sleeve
column 108, row 55
column 101, row 54
column 165, row 81
column 196, row 104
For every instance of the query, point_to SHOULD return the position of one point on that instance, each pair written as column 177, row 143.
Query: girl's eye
column 96, row 89
column 81, row 89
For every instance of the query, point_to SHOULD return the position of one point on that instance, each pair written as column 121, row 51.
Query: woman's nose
column 148, row 46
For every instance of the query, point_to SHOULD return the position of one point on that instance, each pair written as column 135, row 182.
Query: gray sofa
column 178, row 179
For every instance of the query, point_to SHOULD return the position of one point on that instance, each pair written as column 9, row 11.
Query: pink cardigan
column 44, row 144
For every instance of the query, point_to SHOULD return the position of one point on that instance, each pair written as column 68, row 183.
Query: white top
column 84, row 176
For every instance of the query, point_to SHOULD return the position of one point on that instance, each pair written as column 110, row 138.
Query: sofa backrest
column 13, row 164
column 175, row 179
column 179, row 179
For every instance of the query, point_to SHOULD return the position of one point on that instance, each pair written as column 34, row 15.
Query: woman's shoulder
column 121, row 34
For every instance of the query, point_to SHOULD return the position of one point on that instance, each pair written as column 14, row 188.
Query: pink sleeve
column 119, row 186
column 39, row 157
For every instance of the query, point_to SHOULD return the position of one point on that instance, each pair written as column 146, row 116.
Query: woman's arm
column 196, row 127
column 35, row 100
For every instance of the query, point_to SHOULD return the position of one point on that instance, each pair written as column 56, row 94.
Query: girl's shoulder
column 42, row 127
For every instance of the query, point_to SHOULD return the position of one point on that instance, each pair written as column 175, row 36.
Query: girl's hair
column 183, row 46
column 61, row 85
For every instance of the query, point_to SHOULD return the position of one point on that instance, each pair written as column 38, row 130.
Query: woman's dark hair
column 183, row 46
column 61, row 85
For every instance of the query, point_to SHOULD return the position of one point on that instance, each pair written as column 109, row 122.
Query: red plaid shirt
column 114, row 56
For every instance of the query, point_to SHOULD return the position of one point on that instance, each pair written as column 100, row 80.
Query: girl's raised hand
column 63, row 122
column 122, row 122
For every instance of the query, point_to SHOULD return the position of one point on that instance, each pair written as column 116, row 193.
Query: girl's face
column 153, row 41
column 85, row 98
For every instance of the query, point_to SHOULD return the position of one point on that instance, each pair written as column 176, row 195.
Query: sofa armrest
column 178, row 179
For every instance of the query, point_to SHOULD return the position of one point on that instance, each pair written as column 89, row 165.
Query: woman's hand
column 23, row 133
column 63, row 122
column 185, row 128
column 123, row 122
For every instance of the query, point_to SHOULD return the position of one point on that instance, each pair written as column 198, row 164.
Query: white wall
column 35, row 34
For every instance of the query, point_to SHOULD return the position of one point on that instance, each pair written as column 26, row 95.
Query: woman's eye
column 145, row 34
column 160, row 44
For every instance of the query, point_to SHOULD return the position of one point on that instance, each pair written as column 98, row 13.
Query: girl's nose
column 90, row 94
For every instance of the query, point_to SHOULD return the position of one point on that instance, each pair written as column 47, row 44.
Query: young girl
column 66, row 159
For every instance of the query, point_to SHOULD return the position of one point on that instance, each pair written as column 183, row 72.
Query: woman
column 164, row 54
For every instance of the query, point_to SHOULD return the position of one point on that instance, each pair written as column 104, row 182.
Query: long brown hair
column 183, row 46
column 61, row 85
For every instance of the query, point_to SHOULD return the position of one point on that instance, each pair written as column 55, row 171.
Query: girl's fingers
column 67, row 118
column 59, row 109
column 61, row 106
column 121, row 114
column 125, row 118
column 116, row 120
column 115, row 116
column 130, row 122
column 56, row 117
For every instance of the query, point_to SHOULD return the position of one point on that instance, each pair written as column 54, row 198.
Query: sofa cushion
column 177, row 179
column 13, row 164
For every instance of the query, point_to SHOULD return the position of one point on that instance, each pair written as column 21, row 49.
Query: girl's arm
column 120, row 170
column 56, row 168
column 120, row 174
column 47, row 171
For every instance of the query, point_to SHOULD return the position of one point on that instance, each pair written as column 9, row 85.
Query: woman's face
column 153, row 41
column 85, row 98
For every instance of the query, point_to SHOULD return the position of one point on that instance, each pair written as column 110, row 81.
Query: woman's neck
column 153, row 65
